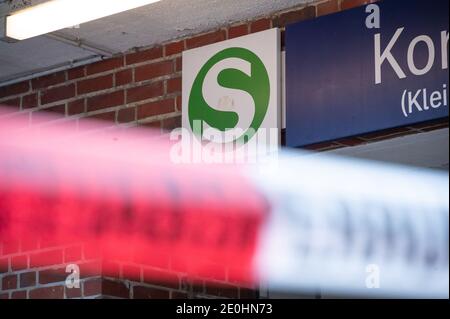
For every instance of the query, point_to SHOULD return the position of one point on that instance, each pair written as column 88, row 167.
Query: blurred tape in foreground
column 357, row 228
column 303, row 223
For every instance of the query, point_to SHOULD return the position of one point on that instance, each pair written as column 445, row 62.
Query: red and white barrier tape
column 301, row 224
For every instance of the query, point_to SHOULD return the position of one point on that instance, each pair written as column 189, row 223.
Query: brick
column 156, row 108
column 217, row 271
column 52, row 257
column 350, row 141
column 90, row 269
column 91, row 251
column 349, row 4
column 174, row 48
column 10, row 247
column 47, row 242
column 27, row 279
column 197, row 286
column 115, row 289
column 110, row 269
column 105, row 65
column 96, row 84
column 28, row 244
column 328, row 7
column 141, row 292
column 76, row 73
column 295, row 16
column 4, row 109
column 126, row 115
column 431, row 125
column 22, row 117
column 324, row 146
column 52, row 275
column 64, row 125
column 245, row 293
column 123, row 77
column 108, row 116
column 73, row 292
column 4, row 265
column 145, row 92
column 160, row 261
column 37, row 119
column 178, row 295
column 106, row 287
column 222, row 290
column 56, row 292
column 105, row 100
column 171, row 123
column 12, row 102
column 153, row 70
column 153, row 125
column 205, row 39
column 179, row 103
column 4, row 296
column 48, row 80
column 22, row 294
column 58, row 93
column 382, row 136
column 76, row 107
column 283, row 39
column 434, row 127
column 144, row 55
column 14, row 89
column 92, row 287
column 9, row 282
column 386, row 133
column 260, row 25
column 72, row 254
column 161, row 278
column 132, row 273
column 30, row 100
column 237, row 31
column 178, row 64
column 60, row 109
column 19, row 262
column 174, row 85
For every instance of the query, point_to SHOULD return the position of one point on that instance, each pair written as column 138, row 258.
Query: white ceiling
column 145, row 26
column 34, row 54
column 430, row 150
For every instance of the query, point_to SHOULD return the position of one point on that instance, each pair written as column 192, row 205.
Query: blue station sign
column 379, row 66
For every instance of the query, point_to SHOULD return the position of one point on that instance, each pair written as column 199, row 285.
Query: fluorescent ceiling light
column 59, row 14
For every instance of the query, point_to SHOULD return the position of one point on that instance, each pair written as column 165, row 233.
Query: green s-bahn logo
column 255, row 82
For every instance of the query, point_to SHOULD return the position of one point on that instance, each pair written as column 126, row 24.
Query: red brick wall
column 137, row 88
column 140, row 88
column 98, row 278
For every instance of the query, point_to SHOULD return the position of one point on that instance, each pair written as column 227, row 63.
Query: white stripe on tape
column 354, row 227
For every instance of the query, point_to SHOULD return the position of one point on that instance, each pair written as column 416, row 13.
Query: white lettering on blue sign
column 386, row 55
column 421, row 100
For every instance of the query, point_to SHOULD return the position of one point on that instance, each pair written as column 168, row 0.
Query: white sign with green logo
column 232, row 89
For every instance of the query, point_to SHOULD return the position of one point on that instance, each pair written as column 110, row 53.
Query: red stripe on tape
column 119, row 193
